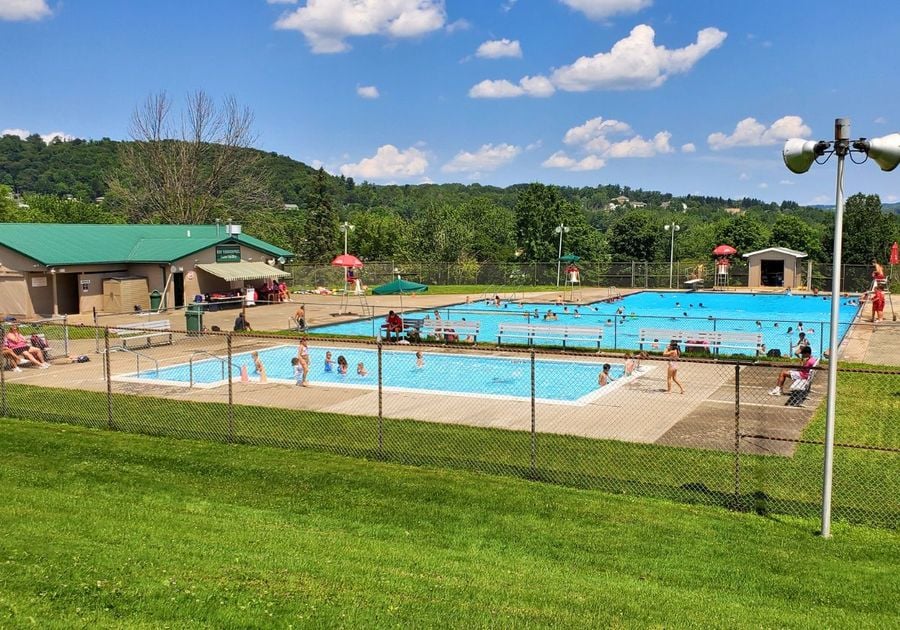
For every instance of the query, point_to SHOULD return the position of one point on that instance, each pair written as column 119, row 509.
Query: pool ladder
column 223, row 361
column 137, row 357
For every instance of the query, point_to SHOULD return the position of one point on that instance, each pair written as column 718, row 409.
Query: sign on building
column 228, row 253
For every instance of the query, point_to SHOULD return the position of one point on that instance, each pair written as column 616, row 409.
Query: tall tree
column 321, row 244
column 794, row 233
column 867, row 230
column 538, row 212
column 191, row 167
column 635, row 236
column 743, row 232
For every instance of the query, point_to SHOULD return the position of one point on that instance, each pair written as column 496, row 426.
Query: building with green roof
column 67, row 268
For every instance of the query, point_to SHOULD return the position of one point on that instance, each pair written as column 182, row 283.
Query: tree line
column 204, row 167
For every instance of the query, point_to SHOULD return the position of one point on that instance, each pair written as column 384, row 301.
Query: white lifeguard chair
column 572, row 287
column 723, row 266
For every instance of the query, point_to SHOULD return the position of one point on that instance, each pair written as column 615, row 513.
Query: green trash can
column 155, row 300
column 193, row 316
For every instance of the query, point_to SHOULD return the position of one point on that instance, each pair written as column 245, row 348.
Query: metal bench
column 451, row 330
column 800, row 388
column 143, row 330
column 545, row 332
column 410, row 325
column 702, row 339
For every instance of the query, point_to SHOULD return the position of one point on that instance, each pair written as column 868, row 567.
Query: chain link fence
column 622, row 274
column 729, row 440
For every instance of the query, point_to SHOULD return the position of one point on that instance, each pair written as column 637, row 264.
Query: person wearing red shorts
column 878, row 305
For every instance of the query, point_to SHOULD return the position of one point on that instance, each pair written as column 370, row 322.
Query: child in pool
column 361, row 369
column 342, row 365
column 258, row 366
column 420, row 359
column 604, row 378
column 329, row 362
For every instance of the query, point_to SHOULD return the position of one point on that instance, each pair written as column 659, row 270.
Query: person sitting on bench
column 795, row 375
column 394, row 325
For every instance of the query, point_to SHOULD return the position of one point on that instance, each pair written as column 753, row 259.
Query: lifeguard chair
column 723, row 266
column 572, row 287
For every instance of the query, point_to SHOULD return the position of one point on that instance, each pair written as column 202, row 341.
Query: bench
column 410, row 325
column 701, row 339
column 143, row 330
column 451, row 330
column 799, row 389
column 533, row 332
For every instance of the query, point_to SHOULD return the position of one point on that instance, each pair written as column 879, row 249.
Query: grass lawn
column 111, row 529
column 866, row 489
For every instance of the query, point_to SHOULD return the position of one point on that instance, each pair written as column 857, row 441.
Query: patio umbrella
column 724, row 250
column 569, row 258
column 347, row 261
column 399, row 287
column 894, row 260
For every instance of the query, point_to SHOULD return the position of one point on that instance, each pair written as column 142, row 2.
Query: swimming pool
column 777, row 317
column 508, row 378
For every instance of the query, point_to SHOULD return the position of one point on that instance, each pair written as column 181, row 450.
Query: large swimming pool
column 778, row 317
column 509, row 378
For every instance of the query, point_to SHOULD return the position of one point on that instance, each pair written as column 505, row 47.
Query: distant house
column 665, row 204
column 734, row 210
column 291, row 206
column 638, row 204
column 621, row 200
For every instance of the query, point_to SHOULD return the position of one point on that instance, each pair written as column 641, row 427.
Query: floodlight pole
column 561, row 229
column 674, row 228
column 841, row 149
column 345, row 228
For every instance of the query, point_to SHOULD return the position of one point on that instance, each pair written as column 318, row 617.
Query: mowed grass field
column 107, row 529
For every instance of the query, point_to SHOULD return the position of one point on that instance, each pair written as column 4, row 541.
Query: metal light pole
column 799, row 156
column 673, row 227
column 346, row 228
column 560, row 229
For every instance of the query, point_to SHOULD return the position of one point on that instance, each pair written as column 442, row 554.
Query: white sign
column 38, row 281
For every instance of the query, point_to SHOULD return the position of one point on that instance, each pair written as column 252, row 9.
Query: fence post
column 616, row 332
column 533, row 423
column 230, row 437
column 108, row 375
column 380, row 407
column 737, row 437
column 66, row 334
column 632, row 274
column 96, row 333
column 2, row 378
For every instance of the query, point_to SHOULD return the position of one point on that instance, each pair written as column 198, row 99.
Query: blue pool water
column 465, row 374
column 779, row 317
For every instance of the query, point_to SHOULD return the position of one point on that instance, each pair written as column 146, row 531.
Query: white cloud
column 538, row 86
column 561, row 160
column 786, row 182
column 751, row 133
column 634, row 62
column 281, row 1
column 16, row 10
column 537, row 144
column 743, row 177
column 891, row 198
column 388, row 162
column 601, row 9
column 461, row 24
column 507, row 6
column 367, row 91
column 594, row 138
column 47, row 137
column 327, row 23
column 496, row 48
column 880, row 120
column 487, row 158
column 688, row 147
column 763, row 185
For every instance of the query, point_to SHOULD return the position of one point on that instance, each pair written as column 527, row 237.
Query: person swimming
column 329, row 362
column 420, row 359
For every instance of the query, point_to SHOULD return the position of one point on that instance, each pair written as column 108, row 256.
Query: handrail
column 137, row 357
column 221, row 360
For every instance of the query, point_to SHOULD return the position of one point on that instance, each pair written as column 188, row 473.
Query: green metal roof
column 78, row 244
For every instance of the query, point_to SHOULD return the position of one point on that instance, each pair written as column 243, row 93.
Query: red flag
column 895, row 255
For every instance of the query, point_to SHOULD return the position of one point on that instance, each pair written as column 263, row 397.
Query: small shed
column 774, row 267
column 122, row 295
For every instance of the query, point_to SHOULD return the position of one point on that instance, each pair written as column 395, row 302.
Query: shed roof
column 86, row 244
column 780, row 250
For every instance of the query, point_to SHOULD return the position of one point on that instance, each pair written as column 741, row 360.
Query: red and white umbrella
column 895, row 255
column 724, row 250
column 347, row 260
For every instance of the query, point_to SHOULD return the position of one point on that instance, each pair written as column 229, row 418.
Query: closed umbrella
column 894, row 260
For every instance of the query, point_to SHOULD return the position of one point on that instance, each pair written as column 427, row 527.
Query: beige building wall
column 791, row 275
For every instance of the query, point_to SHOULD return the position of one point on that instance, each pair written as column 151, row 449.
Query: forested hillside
column 300, row 208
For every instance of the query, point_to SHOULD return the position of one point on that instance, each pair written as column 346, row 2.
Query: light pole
column 673, row 227
column 346, row 228
column 560, row 229
column 799, row 156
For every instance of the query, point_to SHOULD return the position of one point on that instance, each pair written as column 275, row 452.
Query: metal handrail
column 221, row 360
column 137, row 357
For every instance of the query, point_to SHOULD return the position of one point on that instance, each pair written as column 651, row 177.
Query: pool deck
column 638, row 410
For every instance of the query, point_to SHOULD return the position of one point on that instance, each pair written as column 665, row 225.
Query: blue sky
column 674, row 95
